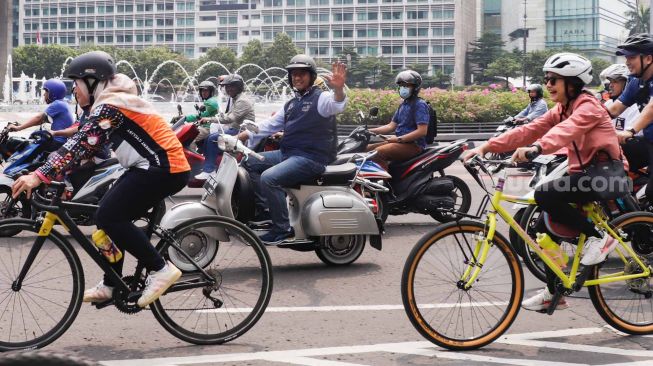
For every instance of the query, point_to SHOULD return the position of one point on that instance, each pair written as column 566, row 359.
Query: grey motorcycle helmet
column 234, row 80
column 410, row 77
column 539, row 91
column 206, row 85
column 302, row 62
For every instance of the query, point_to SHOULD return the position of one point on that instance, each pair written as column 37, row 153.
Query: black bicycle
column 42, row 280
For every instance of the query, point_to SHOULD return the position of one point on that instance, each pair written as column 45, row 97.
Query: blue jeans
column 211, row 150
column 272, row 174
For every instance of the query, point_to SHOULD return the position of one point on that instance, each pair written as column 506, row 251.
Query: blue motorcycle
column 19, row 154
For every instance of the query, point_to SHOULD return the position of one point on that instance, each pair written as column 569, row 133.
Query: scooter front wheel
column 340, row 250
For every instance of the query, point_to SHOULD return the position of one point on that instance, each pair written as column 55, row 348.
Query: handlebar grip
column 257, row 156
column 532, row 155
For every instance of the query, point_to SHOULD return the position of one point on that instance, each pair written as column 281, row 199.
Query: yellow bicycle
column 462, row 284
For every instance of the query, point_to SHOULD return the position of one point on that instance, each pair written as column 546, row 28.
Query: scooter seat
column 335, row 175
column 106, row 163
column 401, row 166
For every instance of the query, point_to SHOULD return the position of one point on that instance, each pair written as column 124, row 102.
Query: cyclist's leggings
column 554, row 198
column 135, row 192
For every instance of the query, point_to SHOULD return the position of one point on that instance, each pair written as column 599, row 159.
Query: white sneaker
column 542, row 300
column 597, row 249
column 99, row 293
column 203, row 176
column 157, row 283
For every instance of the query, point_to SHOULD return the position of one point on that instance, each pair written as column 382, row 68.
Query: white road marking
column 427, row 349
column 292, row 309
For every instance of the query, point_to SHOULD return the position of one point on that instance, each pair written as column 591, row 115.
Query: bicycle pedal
column 554, row 302
column 103, row 304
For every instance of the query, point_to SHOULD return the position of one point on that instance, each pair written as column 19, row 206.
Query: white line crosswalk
column 315, row 356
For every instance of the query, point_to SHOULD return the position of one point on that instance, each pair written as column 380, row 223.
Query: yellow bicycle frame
column 594, row 213
column 49, row 221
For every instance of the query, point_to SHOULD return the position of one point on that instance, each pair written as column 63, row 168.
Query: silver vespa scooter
column 328, row 215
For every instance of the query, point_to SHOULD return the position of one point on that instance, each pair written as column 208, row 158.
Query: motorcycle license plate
column 210, row 184
column 544, row 159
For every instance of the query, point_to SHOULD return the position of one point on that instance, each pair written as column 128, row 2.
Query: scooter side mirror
column 374, row 111
column 179, row 109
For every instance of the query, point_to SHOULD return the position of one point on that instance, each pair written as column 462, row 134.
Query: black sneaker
column 275, row 238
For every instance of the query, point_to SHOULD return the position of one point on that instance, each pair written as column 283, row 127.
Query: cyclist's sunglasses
column 552, row 79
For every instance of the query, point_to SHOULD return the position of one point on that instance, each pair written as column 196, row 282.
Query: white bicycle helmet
column 571, row 65
column 615, row 71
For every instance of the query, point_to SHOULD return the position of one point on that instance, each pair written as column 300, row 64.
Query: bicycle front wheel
column 627, row 305
column 434, row 297
column 39, row 310
column 242, row 271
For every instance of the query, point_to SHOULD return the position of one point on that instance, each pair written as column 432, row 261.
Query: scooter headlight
column 222, row 144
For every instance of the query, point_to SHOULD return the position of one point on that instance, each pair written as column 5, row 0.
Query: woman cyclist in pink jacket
column 577, row 117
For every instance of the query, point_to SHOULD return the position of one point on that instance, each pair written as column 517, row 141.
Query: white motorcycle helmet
column 570, row 65
column 615, row 72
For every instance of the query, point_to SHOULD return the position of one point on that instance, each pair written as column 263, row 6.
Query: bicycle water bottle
column 552, row 249
column 106, row 246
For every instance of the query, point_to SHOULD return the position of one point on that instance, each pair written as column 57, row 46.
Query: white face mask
column 405, row 92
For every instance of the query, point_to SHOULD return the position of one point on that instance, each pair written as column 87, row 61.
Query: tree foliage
column 506, row 66
column 40, row 61
column 223, row 55
column 280, row 52
column 484, row 51
column 638, row 19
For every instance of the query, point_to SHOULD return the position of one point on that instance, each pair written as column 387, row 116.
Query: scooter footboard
column 187, row 210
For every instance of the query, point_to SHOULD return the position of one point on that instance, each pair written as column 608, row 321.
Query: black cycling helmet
column 539, row 91
column 302, row 62
column 206, row 85
column 410, row 77
column 638, row 44
column 92, row 67
column 234, row 80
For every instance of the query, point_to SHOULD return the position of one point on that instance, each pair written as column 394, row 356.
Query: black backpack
column 433, row 124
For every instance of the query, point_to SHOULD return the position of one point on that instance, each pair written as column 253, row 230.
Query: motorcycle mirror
column 250, row 126
column 374, row 111
column 197, row 107
column 179, row 109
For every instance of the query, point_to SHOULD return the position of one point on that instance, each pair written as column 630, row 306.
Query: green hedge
column 487, row 105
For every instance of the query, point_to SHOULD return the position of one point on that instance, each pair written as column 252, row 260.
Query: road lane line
column 307, row 361
column 292, row 309
column 554, row 333
column 577, row 347
column 483, row 359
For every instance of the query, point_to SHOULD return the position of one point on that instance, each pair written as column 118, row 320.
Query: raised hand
column 338, row 76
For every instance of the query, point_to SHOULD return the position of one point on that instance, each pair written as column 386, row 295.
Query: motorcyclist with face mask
column 309, row 143
column 239, row 109
column 209, row 108
column 144, row 144
column 409, row 123
column 58, row 113
column 536, row 107
column 638, row 50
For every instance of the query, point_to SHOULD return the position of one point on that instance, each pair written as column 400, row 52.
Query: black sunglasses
column 552, row 79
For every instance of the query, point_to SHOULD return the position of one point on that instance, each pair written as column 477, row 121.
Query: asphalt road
column 349, row 316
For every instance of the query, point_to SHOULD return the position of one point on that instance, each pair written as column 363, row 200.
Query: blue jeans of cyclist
column 272, row 174
column 211, row 150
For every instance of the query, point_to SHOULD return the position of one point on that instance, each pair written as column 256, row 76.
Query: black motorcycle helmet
column 206, row 85
column 304, row 62
column 638, row 44
column 92, row 67
column 234, row 80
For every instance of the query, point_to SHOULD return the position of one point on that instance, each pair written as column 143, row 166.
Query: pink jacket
column 587, row 123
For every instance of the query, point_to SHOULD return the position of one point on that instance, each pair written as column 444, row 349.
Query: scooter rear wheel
column 463, row 201
column 340, row 250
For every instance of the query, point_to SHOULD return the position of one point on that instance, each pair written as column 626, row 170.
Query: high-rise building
column 435, row 33
column 594, row 26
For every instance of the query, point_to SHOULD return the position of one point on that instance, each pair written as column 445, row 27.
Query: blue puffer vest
column 306, row 132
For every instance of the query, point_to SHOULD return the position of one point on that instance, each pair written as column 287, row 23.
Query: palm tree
column 638, row 19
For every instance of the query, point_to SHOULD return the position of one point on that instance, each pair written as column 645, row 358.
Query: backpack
column 433, row 124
